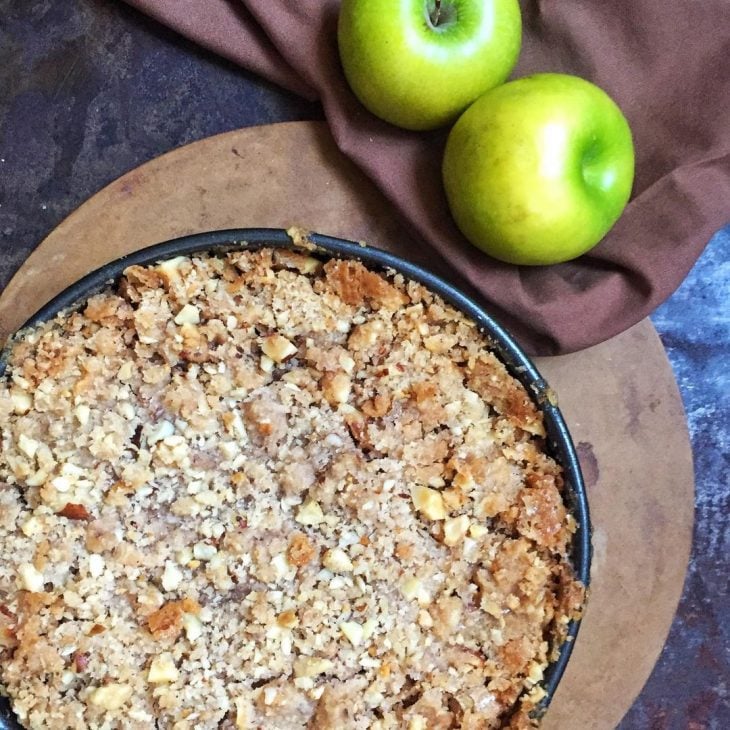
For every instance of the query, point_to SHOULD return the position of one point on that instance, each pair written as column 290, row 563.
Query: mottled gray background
column 89, row 89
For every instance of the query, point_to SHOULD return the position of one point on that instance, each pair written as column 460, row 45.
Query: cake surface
column 265, row 491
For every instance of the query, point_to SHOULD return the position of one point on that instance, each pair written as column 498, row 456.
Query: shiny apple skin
column 417, row 76
column 538, row 170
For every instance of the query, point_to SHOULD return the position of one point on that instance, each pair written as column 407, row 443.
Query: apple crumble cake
column 259, row 490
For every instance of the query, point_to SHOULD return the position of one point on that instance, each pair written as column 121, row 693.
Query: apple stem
column 436, row 13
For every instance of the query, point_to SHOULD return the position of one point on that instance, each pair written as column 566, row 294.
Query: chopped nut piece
column 171, row 577
column 441, row 343
column 193, row 626
column 281, row 566
column 30, row 578
column 170, row 270
column 163, row 670
column 310, row 265
column 294, row 260
column 22, row 401
column 269, row 695
column 337, row 560
column 424, row 619
column 535, row 673
column 160, row 431
column 189, row 314
column 429, row 502
column 111, row 696
column 411, row 587
column 204, row 551
column 347, row 363
column 126, row 371
column 61, row 484
column 278, row 348
column 336, row 388
column 310, row 513
column 455, row 529
column 353, row 631
column 35, row 480
column 209, row 499
column 312, row 666
column 28, row 446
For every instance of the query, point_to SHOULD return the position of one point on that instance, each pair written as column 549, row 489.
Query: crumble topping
column 260, row 491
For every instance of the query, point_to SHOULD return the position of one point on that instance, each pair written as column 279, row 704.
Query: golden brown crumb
column 354, row 284
column 166, row 622
column 300, row 550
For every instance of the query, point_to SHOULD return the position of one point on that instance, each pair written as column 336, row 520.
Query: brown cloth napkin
column 666, row 63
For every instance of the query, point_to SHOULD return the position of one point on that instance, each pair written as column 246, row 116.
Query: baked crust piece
column 259, row 491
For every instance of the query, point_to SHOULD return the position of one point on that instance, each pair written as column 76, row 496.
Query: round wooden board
column 619, row 398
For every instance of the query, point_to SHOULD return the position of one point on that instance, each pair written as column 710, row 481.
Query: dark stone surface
column 90, row 89
column 689, row 686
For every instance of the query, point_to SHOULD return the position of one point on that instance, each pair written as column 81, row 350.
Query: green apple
column 419, row 63
column 538, row 170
